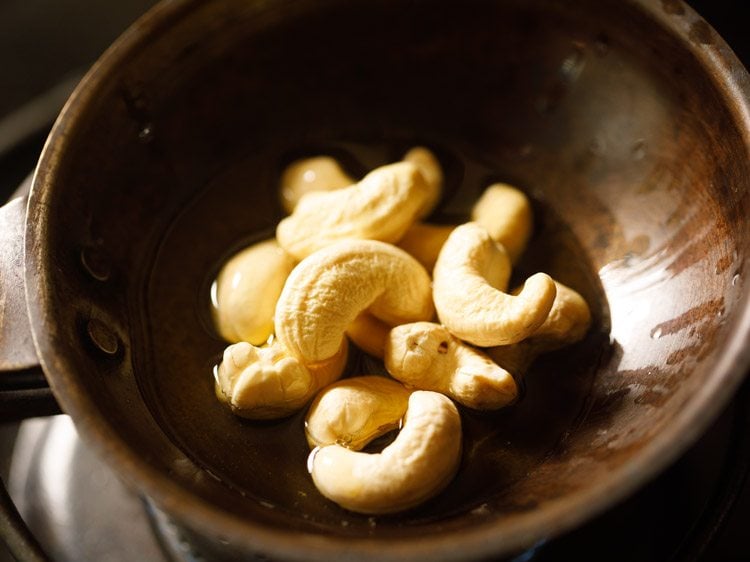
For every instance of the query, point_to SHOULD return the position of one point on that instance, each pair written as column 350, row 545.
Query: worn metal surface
column 23, row 387
column 16, row 343
column 166, row 158
column 75, row 503
column 22, row 545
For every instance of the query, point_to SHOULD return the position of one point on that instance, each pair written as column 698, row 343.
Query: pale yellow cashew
column 327, row 290
column 502, row 209
column 246, row 290
column 424, row 241
column 426, row 356
column 567, row 323
column 470, row 276
column 323, row 173
column 268, row 383
column 369, row 334
column 318, row 173
column 354, row 411
column 382, row 206
column 568, row 320
column 506, row 214
column 430, row 168
column 415, row 467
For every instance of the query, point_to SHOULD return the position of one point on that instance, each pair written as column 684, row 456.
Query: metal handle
column 23, row 388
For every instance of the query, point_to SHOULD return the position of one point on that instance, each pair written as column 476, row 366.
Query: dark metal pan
column 627, row 122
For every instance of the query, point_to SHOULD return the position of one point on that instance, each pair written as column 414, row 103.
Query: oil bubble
column 146, row 133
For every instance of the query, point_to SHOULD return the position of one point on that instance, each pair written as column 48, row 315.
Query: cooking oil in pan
column 264, row 463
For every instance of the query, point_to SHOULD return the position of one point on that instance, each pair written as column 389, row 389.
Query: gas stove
column 79, row 510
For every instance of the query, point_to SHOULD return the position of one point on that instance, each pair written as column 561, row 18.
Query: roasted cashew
column 416, row 466
column 430, row 168
column 470, row 275
column 369, row 334
column 567, row 323
column 268, row 383
column 354, row 411
column 319, row 173
column 506, row 214
column 246, row 291
column 426, row 356
column 382, row 206
column 327, row 290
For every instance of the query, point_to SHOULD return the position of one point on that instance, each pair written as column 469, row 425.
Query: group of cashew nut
column 354, row 261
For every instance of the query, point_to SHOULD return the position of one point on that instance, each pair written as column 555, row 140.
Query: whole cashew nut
column 323, row 173
column 502, row 209
column 506, row 214
column 470, row 275
column 426, row 356
column 319, row 173
column 430, row 168
column 246, row 291
column 369, row 334
column 567, row 323
column 354, row 411
column 381, row 206
column 568, row 320
column 416, row 466
column 424, row 241
column 327, row 290
column 267, row 383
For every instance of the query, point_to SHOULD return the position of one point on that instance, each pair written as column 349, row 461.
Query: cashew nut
column 352, row 412
column 416, row 466
column 506, row 214
column 470, row 275
column 503, row 210
column 268, row 383
column 568, row 320
column 424, row 241
column 319, row 173
column 369, row 334
column 567, row 323
column 425, row 355
column 327, row 290
column 246, row 291
column 381, row 206
column 430, row 168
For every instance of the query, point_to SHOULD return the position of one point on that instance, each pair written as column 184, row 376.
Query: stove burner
column 74, row 504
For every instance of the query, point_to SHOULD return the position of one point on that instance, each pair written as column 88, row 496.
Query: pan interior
column 266, row 461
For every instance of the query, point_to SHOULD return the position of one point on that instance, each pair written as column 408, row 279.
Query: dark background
column 726, row 16
column 45, row 41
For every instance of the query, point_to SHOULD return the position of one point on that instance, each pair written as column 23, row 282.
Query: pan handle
column 24, row 391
